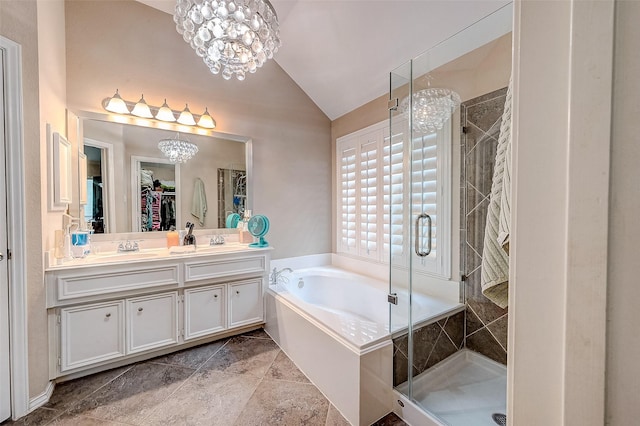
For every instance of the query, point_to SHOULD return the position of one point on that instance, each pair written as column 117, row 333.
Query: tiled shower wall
column 431, row 344
column 482, row 327
column 486, row 323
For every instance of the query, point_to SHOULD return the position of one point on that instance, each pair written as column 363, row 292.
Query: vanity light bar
column 141, row 109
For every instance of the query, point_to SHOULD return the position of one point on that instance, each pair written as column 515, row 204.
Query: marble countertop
column 146, row 255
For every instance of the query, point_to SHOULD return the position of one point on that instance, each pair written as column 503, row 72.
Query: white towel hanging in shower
column 495, row 260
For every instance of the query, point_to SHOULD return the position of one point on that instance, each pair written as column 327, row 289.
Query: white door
column 5, row 394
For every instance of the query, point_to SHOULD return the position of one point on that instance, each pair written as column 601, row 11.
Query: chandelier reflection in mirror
column 432, row 108
column 177, row 150
column 233, row 37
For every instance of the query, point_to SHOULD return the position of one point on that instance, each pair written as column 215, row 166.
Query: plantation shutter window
column 384, row 183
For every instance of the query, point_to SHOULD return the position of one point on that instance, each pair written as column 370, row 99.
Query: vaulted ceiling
column 340, row 52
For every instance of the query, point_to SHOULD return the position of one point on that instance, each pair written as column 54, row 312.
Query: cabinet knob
column 108, row 315
column 139, row 309
column 215, row 296
column 237, row 291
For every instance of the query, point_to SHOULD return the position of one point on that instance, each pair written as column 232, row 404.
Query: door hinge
column 464, row 129
column 392, row 104
column 392, row 298
column 59, row 361
column 8, row 254
column 463, row 277
column 59, row 319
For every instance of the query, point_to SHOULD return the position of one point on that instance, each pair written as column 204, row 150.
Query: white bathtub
column 334, row 325
column 354, row 307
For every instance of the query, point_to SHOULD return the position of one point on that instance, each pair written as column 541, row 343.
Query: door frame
column 108, row 178
column 16, row 229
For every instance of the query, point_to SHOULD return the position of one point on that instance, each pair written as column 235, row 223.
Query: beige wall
column 623, row 339
column 52, row 73
column 291, row 136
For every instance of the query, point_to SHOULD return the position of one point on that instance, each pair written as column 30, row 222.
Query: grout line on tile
column 60, row 412
column 234, row 422
column 495, row 338
column 475, row 269
column 477, row 316
column 195, row 370
column 77, row 402
column 478, row 205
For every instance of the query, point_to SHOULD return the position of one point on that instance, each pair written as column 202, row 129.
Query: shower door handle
column 417, row 246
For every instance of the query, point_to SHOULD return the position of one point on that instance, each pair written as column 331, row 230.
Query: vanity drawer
column 69, row 287
column 219, row 268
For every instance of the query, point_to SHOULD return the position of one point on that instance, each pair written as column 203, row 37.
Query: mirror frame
column 80, row 116
column 60, row 175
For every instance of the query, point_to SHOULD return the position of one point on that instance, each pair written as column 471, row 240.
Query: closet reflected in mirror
column 153, row 185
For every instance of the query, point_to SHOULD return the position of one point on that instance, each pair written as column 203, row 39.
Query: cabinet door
column 245, row 302
column 152, row 322
column 91, row 333
column 204, row 311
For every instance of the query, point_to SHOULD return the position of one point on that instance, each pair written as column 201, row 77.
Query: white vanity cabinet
column 152, row 322
column 245, row 302
column 204, row 311
column 100, row 318
column 91, row 333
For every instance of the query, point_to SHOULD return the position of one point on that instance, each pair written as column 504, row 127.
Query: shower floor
column 465, row 389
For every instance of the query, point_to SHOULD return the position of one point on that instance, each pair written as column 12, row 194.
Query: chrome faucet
column 216, row 240
column 275, row 274
column 189, row 239
column 128, row 246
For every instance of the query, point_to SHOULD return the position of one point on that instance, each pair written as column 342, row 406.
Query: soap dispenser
column 173, row 238
column 66, row 245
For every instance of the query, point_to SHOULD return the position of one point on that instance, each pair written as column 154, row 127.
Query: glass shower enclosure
column 426, row 211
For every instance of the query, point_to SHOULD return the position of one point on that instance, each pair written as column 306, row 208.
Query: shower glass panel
column 422, row 196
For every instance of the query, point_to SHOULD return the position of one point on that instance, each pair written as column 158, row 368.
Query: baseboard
column 43, row 398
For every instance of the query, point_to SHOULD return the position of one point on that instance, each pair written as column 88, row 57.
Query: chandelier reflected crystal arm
column 177, row 150
column 233, row 37
column 431, row 108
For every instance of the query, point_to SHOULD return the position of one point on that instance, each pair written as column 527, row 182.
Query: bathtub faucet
column 275, row 274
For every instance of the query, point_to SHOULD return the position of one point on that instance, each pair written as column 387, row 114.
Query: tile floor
column 243, row 380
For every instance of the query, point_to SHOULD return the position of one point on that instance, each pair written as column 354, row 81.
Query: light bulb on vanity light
column 186, row 117
column 116, row 104
column 141, row 109
column 206, row 120
column 165, row 113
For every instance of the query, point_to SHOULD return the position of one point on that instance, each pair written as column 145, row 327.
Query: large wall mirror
column 132, row 187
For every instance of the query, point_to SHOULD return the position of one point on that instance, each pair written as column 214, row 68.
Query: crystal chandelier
column 232, row 36
column 431, row 108
column 177, row 150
